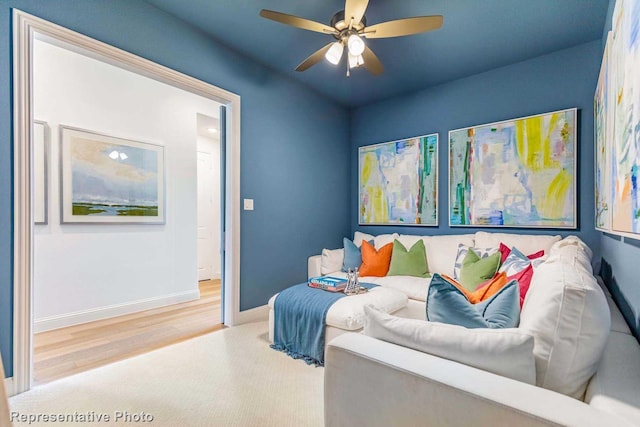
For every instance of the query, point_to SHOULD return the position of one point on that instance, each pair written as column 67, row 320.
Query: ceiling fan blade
column 296, row 21
column 354, row 9
column 404, row 27
column 312, row 60
column 371, row 62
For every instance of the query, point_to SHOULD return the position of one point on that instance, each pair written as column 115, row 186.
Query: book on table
column 328, row 283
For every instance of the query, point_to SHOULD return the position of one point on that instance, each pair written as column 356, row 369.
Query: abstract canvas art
column 625, row 60
column 110, row 180
column 398, row 182
column 514, row 173
column 603, row 135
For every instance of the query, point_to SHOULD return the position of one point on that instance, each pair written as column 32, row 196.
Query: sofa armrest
column 375, row 383
column 314, row 266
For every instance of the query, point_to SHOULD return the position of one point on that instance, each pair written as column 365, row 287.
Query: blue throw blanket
column 300, row 315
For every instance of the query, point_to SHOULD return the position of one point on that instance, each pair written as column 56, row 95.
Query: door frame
column 25, row 26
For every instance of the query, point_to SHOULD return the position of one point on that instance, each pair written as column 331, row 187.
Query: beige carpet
column 226, row 378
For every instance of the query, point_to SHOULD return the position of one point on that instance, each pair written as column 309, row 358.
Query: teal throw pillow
column 476, row 270
column 352, row 255
column 446, row 304
column 412, row 262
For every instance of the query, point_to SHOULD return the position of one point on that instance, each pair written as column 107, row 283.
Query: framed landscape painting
column 110, row 180
column 40, row 172
column 515, row 173
column 398, row 182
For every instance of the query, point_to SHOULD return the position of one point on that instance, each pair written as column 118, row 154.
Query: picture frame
column 40, row 185
column 398, row 182
column 107, row 179
column 515, row 173
column 603, row 107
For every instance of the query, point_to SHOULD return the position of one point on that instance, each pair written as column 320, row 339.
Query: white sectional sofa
column 441, row 254
column 576, row 327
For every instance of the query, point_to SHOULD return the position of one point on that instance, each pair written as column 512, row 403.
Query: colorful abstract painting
column 398, row 182
column 107, row 179
column 515, row 173
column 603, row 135
column 625, row 216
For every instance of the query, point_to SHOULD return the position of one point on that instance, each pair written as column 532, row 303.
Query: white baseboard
column 8, row 385
column 91, row 315
column 253, row 315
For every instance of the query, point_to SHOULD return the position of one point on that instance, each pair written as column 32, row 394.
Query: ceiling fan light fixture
column 334, row 54
column 355, row 45
column 355, row 61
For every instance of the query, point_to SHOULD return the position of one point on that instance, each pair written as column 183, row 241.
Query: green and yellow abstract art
column 398, row 182
column 515, row 173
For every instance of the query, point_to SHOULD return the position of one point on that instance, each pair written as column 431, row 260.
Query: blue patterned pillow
column 447, row 304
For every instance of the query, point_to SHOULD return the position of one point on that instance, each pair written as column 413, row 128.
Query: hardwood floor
column 67, row 351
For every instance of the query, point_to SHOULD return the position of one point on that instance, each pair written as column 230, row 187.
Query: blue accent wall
column 620, row 255
column 291, row 137
column 564, row 79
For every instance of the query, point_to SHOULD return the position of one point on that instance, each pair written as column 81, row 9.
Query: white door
column 208, row 211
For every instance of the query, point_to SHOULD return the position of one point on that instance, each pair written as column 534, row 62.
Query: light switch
column 248, row 204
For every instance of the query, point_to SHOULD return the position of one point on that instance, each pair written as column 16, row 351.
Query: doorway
column 119, row 242
column 27, row 29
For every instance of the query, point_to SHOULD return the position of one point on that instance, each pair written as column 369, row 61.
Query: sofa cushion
column 382, row 240
column 476, row 270
column 506, row 352
column 448, row 304
column 614, row 387
column 567, row 313
column 359, row 236
column 331, row 260
column 527, row 243
column 348, row 313
column 442, row 251
column 412, row 262
column 375, row 262
column 414, row 287
column 462, row 253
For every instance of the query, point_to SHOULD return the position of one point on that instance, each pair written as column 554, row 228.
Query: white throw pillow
column 331, row 260
column 567, row 313
column 526, row 243
column 506, row 352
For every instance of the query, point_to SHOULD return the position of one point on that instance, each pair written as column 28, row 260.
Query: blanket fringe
column 295, row 355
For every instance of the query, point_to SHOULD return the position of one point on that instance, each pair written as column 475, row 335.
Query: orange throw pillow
column 484, row 291
column 375, row 263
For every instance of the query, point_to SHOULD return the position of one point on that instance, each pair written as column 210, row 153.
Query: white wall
column 94, row 271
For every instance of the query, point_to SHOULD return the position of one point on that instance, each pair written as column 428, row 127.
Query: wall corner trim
column 8, row 385
column 253, row 315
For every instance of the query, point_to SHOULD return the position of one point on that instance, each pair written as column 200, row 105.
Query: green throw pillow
column 476, row 270
column 409, row 263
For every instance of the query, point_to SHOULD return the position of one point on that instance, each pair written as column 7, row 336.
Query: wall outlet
column 248, row 204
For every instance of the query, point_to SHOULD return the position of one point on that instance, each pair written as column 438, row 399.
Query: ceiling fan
column 349, row 27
